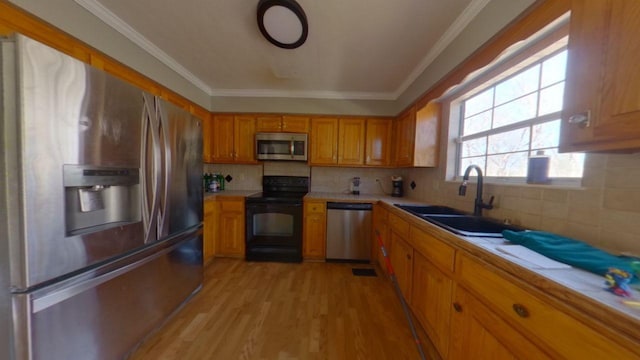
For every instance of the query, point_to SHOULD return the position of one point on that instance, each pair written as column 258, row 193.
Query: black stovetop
column 281, row 189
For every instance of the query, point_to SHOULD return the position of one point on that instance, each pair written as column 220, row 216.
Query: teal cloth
column 569, row 251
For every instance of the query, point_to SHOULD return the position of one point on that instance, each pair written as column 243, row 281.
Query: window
column 514, row 116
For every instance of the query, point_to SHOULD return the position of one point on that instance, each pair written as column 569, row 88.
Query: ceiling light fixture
column 283, row 23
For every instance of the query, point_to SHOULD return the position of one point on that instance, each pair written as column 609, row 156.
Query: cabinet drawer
column 315, row 207
column 558, row 333
column 398, row 225
column 434, row 250
column 227, row 206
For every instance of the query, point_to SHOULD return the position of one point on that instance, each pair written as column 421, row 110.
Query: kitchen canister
column 538, row 169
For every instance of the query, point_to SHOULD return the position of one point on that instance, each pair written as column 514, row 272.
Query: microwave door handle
column 291, row 148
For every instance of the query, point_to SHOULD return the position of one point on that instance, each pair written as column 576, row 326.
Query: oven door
column 274, row 231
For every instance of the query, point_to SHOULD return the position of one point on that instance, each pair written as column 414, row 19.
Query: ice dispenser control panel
column 96, row 197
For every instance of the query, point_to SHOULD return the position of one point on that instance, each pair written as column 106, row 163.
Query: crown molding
column 97, row 9
column 334, row 95
column 461, row 22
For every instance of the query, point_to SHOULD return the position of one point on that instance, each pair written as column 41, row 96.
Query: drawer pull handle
column 521, row 310
column 457, row 307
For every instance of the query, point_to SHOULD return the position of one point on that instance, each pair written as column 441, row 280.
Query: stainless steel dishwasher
column 349, row 231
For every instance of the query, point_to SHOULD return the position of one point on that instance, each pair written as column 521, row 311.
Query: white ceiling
column 356, row 49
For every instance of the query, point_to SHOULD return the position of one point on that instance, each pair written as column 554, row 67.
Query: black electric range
column 274, row 219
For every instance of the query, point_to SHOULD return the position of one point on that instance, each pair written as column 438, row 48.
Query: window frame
column 535, row 51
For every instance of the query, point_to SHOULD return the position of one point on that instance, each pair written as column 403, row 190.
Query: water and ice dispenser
column 97, row 198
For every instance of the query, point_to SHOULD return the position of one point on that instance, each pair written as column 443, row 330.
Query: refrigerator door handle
column 151, row 169
column 163, row 212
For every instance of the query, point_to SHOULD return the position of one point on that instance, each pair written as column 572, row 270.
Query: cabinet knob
column 408, row 257
column 457, row 307
column 582, row 120
column 521, row 310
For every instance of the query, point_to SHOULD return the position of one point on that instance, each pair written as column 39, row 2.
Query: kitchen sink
column 423, row 210
column 459, row 222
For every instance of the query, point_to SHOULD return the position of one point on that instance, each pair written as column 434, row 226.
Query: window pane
column 566, row 165
column 477, row 123
column 551, row 99
column 553, row 69
column 515, row 111
column 478, row 103
column 474, row 147
column 510, row 141
column 512, row 164
column 464, row 163
column 545, row 135
column 521, row 84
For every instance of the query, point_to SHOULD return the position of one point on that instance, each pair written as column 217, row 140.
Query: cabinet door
column 268, row 123
column 478, row 333
column 209, row 235
column 603, row 77
column 378, row 142
column 402, row 260
column 404, row 139
column 427, row 133
column 244, row 139
column 207, row 140
column 324, row 141
column 351, row 134
column 314, row 229
column 222, row 140
column 295, row 124
column 431, row 299
column 231, row 228
column 380, row 224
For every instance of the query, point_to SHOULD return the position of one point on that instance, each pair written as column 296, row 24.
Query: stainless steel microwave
column 281, row 146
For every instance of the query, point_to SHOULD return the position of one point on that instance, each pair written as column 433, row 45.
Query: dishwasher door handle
column 349, row 206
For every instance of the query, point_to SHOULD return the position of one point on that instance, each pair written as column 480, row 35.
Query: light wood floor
column 261, row 310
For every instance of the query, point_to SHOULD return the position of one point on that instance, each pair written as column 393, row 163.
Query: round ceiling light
column 283, row 23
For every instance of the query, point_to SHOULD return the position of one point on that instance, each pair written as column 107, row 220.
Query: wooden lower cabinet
column 478, row 333
column 314, row 230
column 401, row 256
column 471, row 309
column 431, row 301
column 209, row 232
column 380, row 225
column 231, row 238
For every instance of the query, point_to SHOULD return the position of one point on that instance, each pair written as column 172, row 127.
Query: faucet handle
column 489, row 206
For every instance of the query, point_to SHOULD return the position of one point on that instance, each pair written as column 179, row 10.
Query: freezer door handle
column 56, row 297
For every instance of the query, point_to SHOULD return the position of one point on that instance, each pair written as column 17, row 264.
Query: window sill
column 560, row 185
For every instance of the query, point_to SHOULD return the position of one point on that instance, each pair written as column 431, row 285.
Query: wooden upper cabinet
column 416, row 137
column 244, row 139
column 207, row 140
column 601, row 105
column 378, row 142
column 404, row 137
column 233, row 139
column 324, row 141
column 285, row 123
column 268, row 123
column 295, row 124
column 222, row 139
column 351, row 134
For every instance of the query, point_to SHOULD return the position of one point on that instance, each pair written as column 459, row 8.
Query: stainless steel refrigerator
column 100, row 208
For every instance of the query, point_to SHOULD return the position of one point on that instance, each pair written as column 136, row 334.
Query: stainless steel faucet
column 478, row 204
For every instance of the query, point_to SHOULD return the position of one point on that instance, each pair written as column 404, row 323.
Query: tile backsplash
column 337, row 179
column 604, row 212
